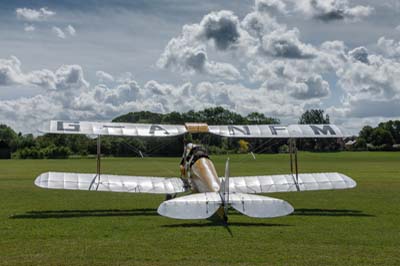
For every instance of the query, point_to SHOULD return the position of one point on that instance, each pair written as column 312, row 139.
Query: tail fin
column 225, row 189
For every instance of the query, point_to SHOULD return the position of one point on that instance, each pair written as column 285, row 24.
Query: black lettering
column 324, row 130
column 274, row 129
column 71, row 127
column 155, row 128
column 244, row 130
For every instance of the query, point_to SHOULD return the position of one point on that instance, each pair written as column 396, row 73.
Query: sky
column 95, row 60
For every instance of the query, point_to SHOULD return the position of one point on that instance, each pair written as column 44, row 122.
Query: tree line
column 17, row 145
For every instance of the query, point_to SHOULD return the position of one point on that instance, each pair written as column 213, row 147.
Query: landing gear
column 170, row 196
column 225, row 218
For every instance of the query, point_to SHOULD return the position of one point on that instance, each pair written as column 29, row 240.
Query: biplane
column 211, row 194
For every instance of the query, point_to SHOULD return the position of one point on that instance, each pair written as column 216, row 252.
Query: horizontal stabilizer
column 204, row 205
column 195, row 206
column 259, row 206
column 287, row 183
column 115, row 183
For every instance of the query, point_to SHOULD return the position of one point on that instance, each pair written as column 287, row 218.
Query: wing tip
column 351, row 183
column 41, row 179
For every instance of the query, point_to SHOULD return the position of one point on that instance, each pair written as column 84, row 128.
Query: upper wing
column 115, row 129
column 158, row 130
column 286, row 183
column 115, row 183
column 278, row 131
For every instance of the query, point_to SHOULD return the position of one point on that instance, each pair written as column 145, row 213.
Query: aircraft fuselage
column 203, row 176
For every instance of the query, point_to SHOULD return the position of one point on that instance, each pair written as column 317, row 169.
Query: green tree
column 8, row 141
column 380, row 137
column 365, row 133
column 314, row 116
column 256, row 118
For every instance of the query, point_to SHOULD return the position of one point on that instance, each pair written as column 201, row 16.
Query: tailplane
column 204, row 205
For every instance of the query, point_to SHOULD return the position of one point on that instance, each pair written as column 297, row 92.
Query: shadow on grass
column 153, row 212
column 210, row 224
column 330, row 212
column 84, row 213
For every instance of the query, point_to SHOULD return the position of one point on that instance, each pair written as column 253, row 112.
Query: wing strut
column 98, row 168
column 293, row 162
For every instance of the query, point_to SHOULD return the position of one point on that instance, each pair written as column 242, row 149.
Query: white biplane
column 211, row 194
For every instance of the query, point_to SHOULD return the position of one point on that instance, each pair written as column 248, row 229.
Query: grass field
column 349, row 227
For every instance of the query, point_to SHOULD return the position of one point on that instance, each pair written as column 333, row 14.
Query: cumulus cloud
column 222, row 28
column 66, row 77
column 258, row 24
column 313, row 87
column 188, row 55
column 371, row 85
column 389, row 47
column 330, row 10
column 10, row 72
column 258, row 36
column 67, row 95
column 104, row 77
column 29, row 14
column 285, row 43
column 58, row 32
column 360, row 54
column 270, row 6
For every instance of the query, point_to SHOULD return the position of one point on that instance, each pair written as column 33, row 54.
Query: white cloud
column 67, row 77
column 29, row 14
column 104, row 77
column 188, row 54
column 222, row 28
column 67, row 95
column 71, row 30
column 371, row 84
column 10, row 72
column 270, row 6
column 58, row 32
column 330, row 10
column 285, row 43
column 389, row 47
column 360, row 54
column 29, row 28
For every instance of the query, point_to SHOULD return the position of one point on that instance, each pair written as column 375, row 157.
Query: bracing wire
column 147, row 154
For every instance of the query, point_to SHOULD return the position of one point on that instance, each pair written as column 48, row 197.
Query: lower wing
column 288, row 183
column 115, row 183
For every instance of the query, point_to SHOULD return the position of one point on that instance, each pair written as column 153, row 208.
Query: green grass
column 54, row 227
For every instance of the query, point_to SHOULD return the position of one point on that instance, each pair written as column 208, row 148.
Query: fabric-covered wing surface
column 114, row 183
column 278, row 131
column 114, row 129
column 286, row 183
